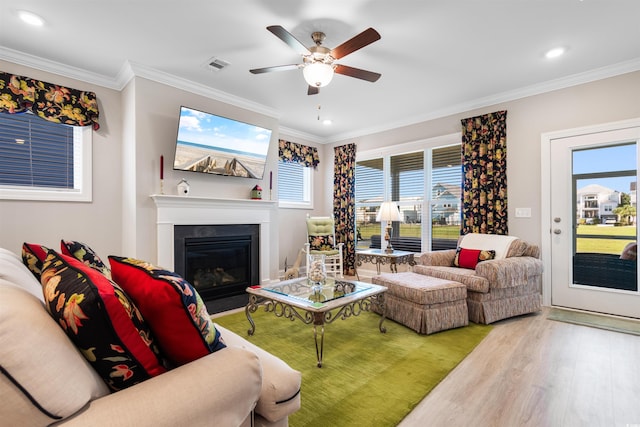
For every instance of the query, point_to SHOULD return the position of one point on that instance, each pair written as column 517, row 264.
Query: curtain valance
column 297, row 153
column 49, row 101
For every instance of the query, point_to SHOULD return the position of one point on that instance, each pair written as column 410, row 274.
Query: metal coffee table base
column 317, row 318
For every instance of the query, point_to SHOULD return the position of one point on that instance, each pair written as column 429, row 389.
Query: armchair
column 321, row 240
column 508, row 285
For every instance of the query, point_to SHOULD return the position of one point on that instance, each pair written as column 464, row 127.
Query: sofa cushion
column 466, row 276
column 280, row 394
column 33, row 256
column 15, row 273
column 175, row 312
column 101, row 320
column 43, row 377
column 85, row 254
column 469, row 258
column 499, row 243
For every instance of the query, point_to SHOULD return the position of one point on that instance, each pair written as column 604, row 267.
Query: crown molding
column 293, row 133
column 537, row 89
column 132, row 69
column 36, row 62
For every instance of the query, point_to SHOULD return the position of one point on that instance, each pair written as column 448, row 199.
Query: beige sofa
column 44, row 380
column 507, row 286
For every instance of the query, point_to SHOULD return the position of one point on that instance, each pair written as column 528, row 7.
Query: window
column 41, row 160
column 294, row 186
column 402, row 174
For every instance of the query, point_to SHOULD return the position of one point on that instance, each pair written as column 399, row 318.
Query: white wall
column 139, row 124
column 156, row 109
column 97, row 223
column 606, row 100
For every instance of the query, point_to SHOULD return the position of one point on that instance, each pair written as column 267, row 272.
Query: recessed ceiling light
column 326, row 122
column 31, row 18
column 554, row 53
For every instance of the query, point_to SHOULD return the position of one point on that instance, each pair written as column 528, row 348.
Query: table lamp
column 388, row 212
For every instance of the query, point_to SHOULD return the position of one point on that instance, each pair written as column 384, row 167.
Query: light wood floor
column 531, row 371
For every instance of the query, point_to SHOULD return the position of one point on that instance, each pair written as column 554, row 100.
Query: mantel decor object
column 388, row 212
column 183, row 187
column 256, row 193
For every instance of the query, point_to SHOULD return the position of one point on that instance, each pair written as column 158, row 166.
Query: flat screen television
column 218, row 145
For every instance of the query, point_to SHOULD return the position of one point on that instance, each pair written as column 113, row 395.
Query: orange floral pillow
column 321, row 243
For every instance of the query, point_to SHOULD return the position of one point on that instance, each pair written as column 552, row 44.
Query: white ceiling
column 436, row 57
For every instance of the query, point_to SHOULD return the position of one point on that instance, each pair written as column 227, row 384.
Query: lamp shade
column 388, row 212
column 318, row 74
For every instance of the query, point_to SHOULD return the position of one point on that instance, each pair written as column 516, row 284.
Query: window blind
column 369, row 181
column 35, row 152
column 407, row 177
column 446, row 171
column 291, row 182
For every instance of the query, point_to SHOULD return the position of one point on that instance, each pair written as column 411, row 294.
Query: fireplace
column 174, row 211
column 220, row 261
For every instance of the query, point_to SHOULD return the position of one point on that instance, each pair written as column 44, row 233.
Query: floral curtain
column 484, row 162
column 297, row 153
column 51, row 102
column 344, row 189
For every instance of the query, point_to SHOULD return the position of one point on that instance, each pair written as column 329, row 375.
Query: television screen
column 217, row 145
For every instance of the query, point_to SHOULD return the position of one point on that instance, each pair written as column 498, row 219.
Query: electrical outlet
column 523, row 212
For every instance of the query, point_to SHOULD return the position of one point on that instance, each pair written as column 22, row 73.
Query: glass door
column 593, row 207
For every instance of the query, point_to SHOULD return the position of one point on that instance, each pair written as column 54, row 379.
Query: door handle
column 557, row 231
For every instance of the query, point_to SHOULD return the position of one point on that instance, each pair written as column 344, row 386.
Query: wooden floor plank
column 531, row 371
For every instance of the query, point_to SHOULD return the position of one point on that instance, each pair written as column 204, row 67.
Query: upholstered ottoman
column 423, row 303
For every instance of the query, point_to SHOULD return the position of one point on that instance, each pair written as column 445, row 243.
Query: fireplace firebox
column 220, row 261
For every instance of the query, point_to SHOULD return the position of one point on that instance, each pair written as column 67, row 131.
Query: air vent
column 216, row 64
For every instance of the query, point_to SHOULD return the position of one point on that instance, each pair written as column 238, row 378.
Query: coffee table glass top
column 301, row 289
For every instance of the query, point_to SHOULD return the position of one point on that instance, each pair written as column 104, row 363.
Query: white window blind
column 370, row 181
column 406, row 177
column 294, row 185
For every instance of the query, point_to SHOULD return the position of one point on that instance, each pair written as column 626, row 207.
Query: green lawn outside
column 607, row 246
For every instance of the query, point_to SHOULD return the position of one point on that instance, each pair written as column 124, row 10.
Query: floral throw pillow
column 101, row 320
column 321, row 243
column 85, row 254
column 469, row 258
column 33, row 256
column 175, row 312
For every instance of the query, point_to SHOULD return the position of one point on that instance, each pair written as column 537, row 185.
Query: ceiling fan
column 318, row 62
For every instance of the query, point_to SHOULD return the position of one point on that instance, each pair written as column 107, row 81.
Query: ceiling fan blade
column 289, row 39
column 358, row 73
column 363, row 39
column 313, row 90
column 276, row 68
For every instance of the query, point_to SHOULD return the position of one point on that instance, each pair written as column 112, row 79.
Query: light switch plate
column 523, row 212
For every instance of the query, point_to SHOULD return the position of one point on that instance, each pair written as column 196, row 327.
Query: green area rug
column 616, row 324
column 367, row 378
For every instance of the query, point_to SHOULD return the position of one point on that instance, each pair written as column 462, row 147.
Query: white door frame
column 545, row 202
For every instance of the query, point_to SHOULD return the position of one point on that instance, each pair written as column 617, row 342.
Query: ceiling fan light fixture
column 318, row 74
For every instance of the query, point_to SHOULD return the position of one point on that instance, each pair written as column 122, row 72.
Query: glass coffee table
column 296, row 299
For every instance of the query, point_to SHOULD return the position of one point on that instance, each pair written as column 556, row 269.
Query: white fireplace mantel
column 188, row 210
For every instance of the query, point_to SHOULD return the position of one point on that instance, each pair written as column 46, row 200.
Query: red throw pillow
column 469, row 258
column 175, row 312
column 101, row 321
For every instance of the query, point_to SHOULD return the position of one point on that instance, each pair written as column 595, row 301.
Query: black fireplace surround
column 220, row 261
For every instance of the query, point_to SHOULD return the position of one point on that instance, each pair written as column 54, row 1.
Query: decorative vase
column 317, row 273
